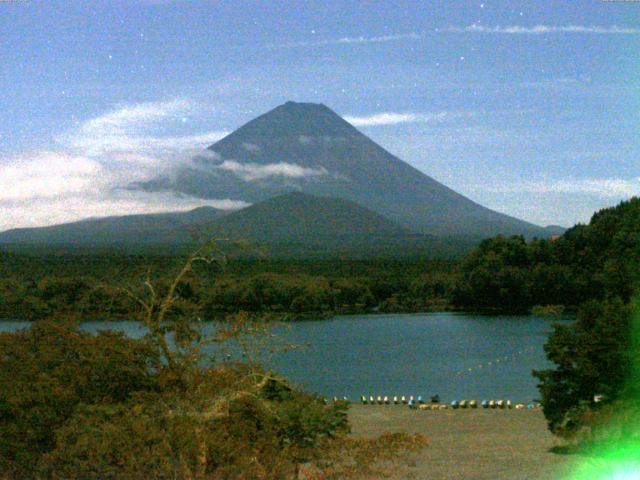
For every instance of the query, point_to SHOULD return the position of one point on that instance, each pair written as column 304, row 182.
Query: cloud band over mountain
column 395, row 118
column 85, row 174
column 254, row 171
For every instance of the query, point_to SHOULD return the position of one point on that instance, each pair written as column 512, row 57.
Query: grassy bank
column 471, row 444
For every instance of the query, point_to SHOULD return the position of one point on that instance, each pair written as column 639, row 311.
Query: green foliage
column 592, row 269
column 76, row 405
column 594, row 261
column 91, row 286
column 494, row 276
column 592, row 358
column 48, row 370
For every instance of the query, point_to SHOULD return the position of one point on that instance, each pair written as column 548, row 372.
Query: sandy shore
column 471, row 444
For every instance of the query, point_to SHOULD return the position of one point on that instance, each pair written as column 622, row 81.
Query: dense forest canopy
column 593, row 261
column 592, row 393
column 37, row 284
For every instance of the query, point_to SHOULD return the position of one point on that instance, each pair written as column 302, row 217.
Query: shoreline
column 455, row 312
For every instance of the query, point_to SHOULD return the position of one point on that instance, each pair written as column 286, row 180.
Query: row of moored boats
column 435, row 404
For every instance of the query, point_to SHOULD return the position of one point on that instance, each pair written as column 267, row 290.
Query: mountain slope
column 293, row 225
column 172, row 227
column 297, row 217
column 309, row 148
column 293, row 217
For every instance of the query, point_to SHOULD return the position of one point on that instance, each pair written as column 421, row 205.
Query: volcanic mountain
column 315, row 183
column 309, row 148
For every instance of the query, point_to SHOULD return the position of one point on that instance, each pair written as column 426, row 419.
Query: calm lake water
column 454, row 355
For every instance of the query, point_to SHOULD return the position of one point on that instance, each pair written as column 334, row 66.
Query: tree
column 592, row 358
column 495, row 276
column 46, row 371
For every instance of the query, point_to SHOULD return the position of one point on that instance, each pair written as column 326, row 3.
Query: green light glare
column 634, row 380
column 618, row 458
column 619, row 462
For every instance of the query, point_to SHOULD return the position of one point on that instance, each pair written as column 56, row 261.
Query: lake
column 454, row 355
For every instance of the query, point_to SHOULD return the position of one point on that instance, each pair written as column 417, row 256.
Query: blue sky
column 530, row 108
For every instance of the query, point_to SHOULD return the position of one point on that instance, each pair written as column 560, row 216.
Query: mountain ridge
column 304, row 153
column 164, row 227
column 310, row 148
column 291, row 217
column 300, row 217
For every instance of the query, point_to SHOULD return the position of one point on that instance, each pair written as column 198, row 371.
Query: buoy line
column 495, row 361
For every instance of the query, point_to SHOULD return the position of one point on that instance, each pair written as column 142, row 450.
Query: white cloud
column 394, row 118
column 137, row 115
column 46, row 174
column 475, row 28
column 254, row 171
column 85, row 174
column 81, row 205
column 251, row 147
column 601, row 187
column 137, row 128
column 351, row 40
column 544, row 29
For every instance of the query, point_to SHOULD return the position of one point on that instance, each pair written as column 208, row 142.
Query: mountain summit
column 309, row 148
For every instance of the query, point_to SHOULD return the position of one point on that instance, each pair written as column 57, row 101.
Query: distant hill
column 588, row 262
column 293, row 217
column 172, row 227
column 307, row 147
column 293, row 225
column 297, row 217
column 297, row 225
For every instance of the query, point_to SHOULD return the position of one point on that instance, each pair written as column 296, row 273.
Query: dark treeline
column 588, row 262
column 37, row 284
